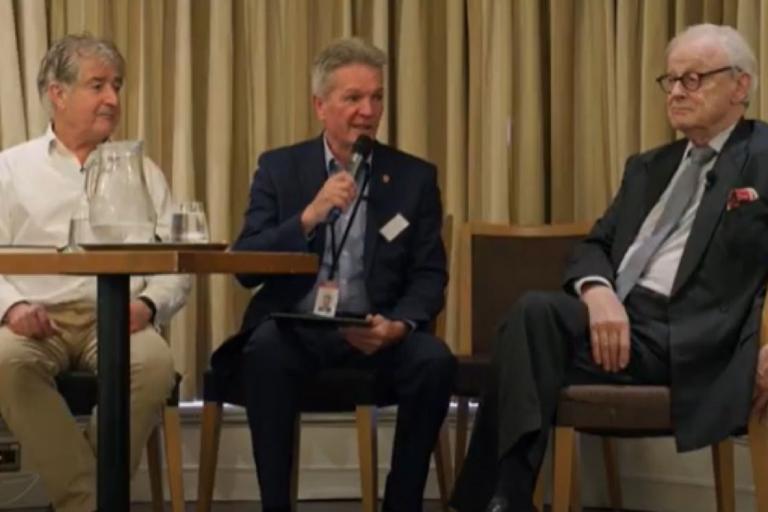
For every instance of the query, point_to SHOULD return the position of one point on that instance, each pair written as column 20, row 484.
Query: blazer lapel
column 379, row 199
column 658, row 170
column 727, row 170
column 311, row 174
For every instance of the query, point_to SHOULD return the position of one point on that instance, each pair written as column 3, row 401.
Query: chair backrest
column 447, row 235
column 501, row 262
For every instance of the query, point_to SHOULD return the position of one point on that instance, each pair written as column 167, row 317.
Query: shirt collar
column 55, row 147
column 50, row 140
column 330, row 158
column 717, row 142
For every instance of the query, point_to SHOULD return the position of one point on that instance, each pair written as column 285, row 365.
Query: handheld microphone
column 360, row 151
column 710, row 180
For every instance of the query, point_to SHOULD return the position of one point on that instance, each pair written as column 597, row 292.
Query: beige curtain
column 528, row 107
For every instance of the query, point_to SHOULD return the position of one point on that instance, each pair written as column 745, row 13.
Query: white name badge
column 394, row 227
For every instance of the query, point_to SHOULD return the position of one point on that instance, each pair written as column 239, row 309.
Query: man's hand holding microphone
column 339, row 190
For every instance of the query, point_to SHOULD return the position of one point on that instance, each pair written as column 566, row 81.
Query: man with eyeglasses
column 665, row 290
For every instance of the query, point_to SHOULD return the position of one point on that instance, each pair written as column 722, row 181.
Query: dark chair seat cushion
column 342, row 389
column 332, row 390
column 595, row 409
column 472, row 374
column 221, row 388
column 80, row 390
column 620, row 410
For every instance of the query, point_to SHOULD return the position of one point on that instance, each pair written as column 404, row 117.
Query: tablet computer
column 342, row 319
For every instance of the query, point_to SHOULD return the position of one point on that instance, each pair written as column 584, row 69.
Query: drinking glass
column 188, row 223
column 80, row 231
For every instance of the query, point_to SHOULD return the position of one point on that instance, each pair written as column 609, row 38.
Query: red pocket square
column 739, row 196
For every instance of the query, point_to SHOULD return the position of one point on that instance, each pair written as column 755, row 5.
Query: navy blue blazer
column 717, row 294
column 405, row 277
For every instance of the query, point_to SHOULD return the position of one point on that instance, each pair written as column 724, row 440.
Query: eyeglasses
column 691, row 80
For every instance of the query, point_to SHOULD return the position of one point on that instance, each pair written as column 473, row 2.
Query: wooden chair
column 80, row 391
column 644, row 411
column 499, row 263
column 333, row 390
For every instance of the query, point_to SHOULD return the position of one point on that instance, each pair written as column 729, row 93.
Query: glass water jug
column 120, row 207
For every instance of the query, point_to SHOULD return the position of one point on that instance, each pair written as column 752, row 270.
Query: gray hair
column 736, row 48
column 61, row 63
column 342, row 53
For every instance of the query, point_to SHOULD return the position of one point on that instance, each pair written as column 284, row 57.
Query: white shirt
column 659, row 274
column 41, row 185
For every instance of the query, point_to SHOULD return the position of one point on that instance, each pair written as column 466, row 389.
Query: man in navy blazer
column 385, row 261
column 666, row 289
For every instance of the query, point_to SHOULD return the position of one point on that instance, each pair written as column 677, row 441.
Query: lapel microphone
column 710, row 180
column 360, row 151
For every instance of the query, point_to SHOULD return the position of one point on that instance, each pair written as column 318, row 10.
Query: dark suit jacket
column 714, row 307
column 405, row 278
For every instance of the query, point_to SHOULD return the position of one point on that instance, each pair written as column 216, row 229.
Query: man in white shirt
column 48, row 322
column 665, row 290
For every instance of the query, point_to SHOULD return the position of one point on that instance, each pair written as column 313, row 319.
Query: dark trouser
column 279, row 359
column 541, row 346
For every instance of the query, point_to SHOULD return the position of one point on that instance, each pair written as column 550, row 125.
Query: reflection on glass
column 188, row 223
column 79, row 227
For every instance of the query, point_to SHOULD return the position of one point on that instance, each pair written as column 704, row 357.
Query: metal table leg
column 114, row 393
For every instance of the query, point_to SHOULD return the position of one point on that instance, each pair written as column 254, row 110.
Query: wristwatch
column 151, row 305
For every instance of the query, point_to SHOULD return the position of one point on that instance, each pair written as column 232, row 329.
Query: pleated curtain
column 528, row 107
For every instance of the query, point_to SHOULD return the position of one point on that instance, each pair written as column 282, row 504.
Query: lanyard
column 336, row 252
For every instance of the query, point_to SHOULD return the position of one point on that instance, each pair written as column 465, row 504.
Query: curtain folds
column 529, row 108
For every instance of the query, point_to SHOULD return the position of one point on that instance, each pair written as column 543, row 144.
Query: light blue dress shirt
column 353, row 297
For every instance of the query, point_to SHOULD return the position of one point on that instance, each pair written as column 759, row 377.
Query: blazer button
column 724, row 308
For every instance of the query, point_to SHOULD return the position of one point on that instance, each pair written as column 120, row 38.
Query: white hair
column 344, row 52
column 736, row 48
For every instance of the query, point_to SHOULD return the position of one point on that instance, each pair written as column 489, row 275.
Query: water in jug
column 120, row 207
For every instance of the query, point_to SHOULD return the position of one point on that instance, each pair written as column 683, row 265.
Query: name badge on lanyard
column 327, row 299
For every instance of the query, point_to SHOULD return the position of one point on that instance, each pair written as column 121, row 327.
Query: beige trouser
column 39, row 418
